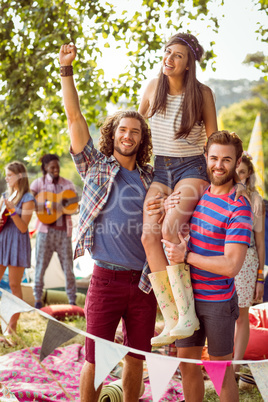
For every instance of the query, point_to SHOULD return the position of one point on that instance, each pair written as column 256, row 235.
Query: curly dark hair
column 45, row 159
column 108, row 128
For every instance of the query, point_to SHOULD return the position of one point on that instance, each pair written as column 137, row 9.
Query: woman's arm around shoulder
column 209, row 115
column 147, row 98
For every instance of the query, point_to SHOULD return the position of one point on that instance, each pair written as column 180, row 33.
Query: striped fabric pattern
column 216, row 221
column 164, row 127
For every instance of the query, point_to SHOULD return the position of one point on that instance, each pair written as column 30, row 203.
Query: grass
column 31, row 330
column 245, row 396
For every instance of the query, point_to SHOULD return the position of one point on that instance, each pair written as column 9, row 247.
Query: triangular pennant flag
column 260, row 374
column 107, row 355
column 6, row 394
column 161, row 370
column 255, row 150
column 216, row 371
column 11, row 305
column 56, row 334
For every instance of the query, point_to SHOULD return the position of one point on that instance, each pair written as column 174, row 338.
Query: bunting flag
column 260, row 374
column 161, row 370
column 256, row 151
column 56, row 334
column 11, row 305
column 6, row 395
column 107, row 355
column 216, row 371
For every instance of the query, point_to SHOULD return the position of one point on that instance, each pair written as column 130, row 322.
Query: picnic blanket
column 57, row 379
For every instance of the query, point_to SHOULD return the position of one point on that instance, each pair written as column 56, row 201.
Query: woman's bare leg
column 177, row 218
column 242, row 330
column 15, row 278
column 152, row 232
column 2, row 271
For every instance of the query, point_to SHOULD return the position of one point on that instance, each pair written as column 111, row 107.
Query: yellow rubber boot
column 180, row 281
column 165, row 299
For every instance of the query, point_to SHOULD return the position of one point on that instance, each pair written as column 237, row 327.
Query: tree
column 32, row 118
column 240, row 118
column 262, row 30
column 259, row 60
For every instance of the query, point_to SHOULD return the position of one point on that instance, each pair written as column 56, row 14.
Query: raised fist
column 67, row 55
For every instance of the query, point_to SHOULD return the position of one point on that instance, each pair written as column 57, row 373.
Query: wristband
column 66, row 71
column 12, row 212
column 260, row 271
column 186, row 256
column 260, row 280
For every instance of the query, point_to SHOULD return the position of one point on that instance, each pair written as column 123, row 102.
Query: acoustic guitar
column 50, row 206
column 4, row 212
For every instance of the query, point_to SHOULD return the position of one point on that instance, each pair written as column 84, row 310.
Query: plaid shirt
column 98, row 173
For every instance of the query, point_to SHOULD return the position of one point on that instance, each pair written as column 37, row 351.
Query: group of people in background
column 184, row 230
column 18, row 204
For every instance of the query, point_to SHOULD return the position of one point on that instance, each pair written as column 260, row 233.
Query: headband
column 188, row 44
column 245, row 153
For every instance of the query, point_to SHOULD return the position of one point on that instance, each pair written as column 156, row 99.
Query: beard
column 220, row 181
column 131, row 152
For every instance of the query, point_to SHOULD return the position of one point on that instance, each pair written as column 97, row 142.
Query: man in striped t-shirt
column 220, row 231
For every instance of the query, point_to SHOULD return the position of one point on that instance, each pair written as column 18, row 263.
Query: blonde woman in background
column 17, row 204
column 249, row 282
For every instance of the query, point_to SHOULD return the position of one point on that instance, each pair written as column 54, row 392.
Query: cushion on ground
column 257, row 348
column 60, row 311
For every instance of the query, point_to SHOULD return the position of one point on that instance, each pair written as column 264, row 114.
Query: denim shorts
column 113, row 295
column 169, row 170
column 217, row 324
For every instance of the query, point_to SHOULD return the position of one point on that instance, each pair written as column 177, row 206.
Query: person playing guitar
column 53, row 234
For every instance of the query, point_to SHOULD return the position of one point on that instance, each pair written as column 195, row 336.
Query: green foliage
column 240, row 118
column 32, row 118
column 262, row 30
column 258, row 60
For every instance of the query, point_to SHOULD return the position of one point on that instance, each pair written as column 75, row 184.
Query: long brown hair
column 19, row 169
column 108, row 128
column 251, row 180
column 193, row 99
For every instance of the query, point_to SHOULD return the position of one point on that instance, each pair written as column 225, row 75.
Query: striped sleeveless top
column 164, row 126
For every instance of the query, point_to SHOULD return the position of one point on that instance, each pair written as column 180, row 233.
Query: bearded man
column 220, row 230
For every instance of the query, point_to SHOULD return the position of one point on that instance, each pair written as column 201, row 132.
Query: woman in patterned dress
column 249, row 282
